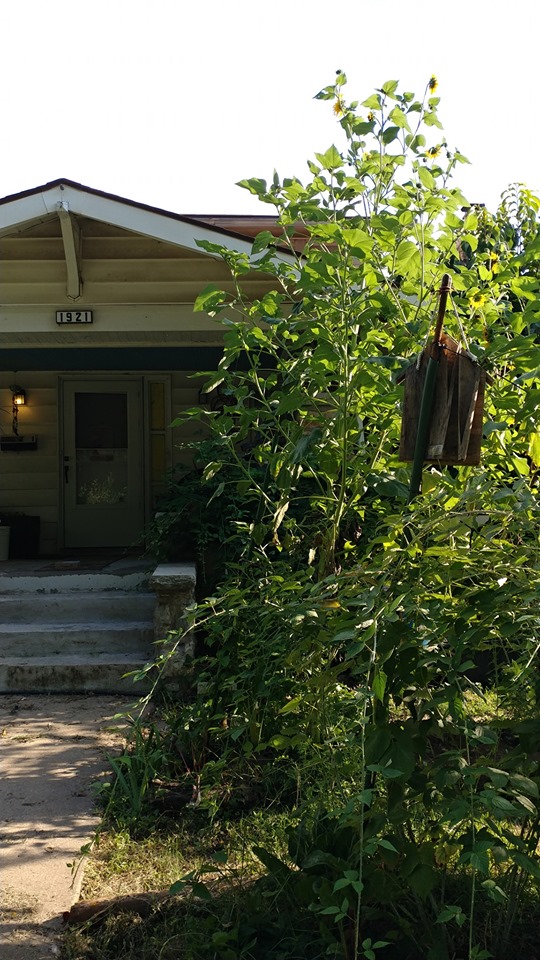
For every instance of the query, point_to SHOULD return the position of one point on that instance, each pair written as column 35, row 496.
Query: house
column 99, row 345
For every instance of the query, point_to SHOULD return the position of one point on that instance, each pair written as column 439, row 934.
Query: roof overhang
column 60, row 197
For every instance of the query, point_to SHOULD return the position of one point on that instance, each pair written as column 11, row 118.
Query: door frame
column 146, row 379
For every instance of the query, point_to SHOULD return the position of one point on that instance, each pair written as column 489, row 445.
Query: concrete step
column 76, row 607
column 72, row 674
column 73, row 582
column 75, row 632
column 83, row 630
column 91, row 638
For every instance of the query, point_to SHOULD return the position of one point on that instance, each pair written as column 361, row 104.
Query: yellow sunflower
column 477, row 299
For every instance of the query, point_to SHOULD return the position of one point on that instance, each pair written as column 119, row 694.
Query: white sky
column 170, row 103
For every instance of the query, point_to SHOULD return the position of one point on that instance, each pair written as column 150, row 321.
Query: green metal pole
column 428, row 393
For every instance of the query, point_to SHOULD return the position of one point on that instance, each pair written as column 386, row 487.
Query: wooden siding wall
column 185, row 395
column 29, row 480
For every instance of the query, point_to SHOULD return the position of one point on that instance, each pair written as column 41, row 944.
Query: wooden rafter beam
column 72, row 245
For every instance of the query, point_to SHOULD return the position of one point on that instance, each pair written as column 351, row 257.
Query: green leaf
column 408, row 259
column 431, row 120
column 275, row 866
column 534, row 448
column 263, row 240
column 479, row 861
column 422, row 880
column 390, row 134
column 379, row 684
column 291, row 706
column 177, row 887
column 254, row 185
column 526, row 863
column 201, row 890
column 217, row 492
column 373, row 102
column 291, row 401
column 209, row 299
column 426, row 178
column 386, row 845
column 355, row 237
column 331, row 160
column 525, row 784
column 526, row 803
column 398, row 117
column 450, row 913
column 498, row 777
column 220, row 856
column 390, row 87
column 305, row 444
column 491, row 427
column 237, row 732
column 341, row 884
column 504, row 805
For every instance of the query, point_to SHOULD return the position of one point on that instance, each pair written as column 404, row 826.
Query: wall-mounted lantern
column 18, row 399
column 18, row 396
column 15, row 442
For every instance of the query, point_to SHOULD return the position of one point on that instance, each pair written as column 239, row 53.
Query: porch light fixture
column 14, row 442
column 18, row 396
column 18, row 399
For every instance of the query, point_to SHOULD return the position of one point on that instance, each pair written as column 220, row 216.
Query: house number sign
column 74, row 316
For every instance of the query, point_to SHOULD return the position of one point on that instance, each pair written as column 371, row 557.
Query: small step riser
column 68, row 678
column 90, row 641
column 73, row 583
column 76, row 607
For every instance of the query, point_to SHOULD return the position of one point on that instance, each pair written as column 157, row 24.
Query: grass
column 122, row 865
column 219, row 856
column 229, row 907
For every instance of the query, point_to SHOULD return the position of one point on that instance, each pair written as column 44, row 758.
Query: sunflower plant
column 350, row 639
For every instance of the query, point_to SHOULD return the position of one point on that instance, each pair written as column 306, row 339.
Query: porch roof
column 39, row 204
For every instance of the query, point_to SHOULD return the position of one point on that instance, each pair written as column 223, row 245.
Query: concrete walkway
column 52, row 748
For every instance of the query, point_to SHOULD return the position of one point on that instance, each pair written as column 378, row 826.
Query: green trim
column 110, row 358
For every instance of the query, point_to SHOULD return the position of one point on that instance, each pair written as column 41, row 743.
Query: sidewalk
column 51, row 751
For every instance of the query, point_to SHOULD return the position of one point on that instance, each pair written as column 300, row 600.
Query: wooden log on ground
column 141, row 904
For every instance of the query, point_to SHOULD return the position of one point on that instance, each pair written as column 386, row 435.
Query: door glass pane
column 101, row 448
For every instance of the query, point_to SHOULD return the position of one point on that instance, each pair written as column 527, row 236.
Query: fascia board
column 20, row 213
column 146, row 222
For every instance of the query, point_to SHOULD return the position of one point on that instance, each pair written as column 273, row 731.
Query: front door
column 103, row 463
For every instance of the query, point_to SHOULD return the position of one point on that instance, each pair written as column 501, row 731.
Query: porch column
column 174, row 586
